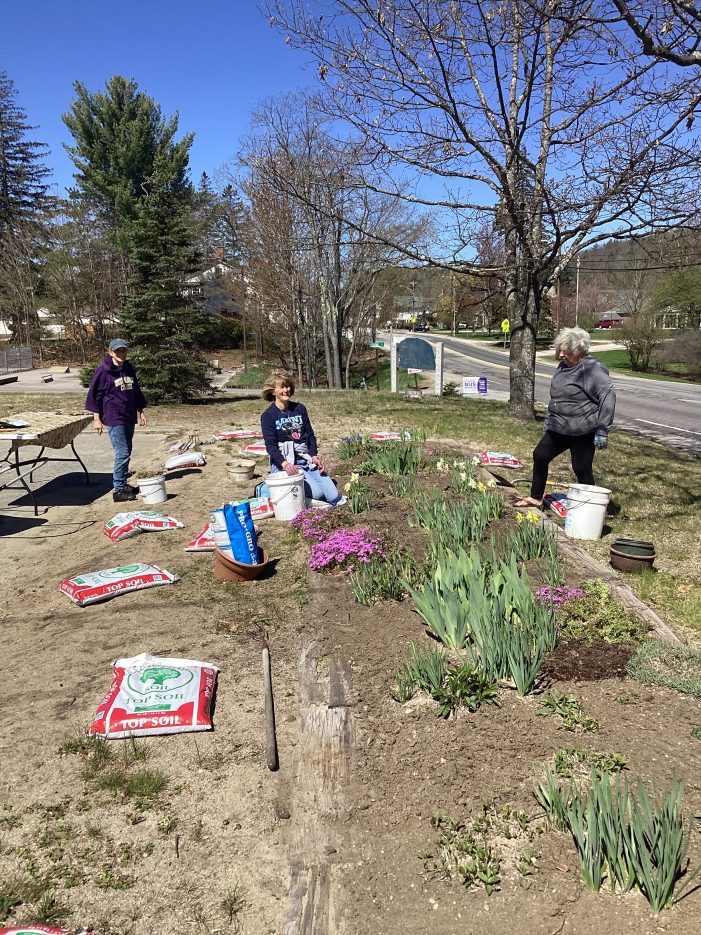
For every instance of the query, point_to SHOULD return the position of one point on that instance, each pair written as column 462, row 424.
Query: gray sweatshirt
column 582, row 399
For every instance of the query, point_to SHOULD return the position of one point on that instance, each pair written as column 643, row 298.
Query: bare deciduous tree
column 669, row 30
column 345, row 229
column 538, row 118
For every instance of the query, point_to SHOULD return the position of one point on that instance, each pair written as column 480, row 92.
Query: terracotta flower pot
column 624, row 562
column 228, row 569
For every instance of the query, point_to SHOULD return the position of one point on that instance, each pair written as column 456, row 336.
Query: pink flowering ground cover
column 559, row 595
column 343, row 547
column 313, row 524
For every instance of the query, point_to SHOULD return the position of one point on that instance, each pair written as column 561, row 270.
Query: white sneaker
column 341, row 501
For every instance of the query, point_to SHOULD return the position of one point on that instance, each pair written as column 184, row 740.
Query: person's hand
column 290, row 469
column 143, row 421
column 97, row 424
column 600, row 441
column 319, row 463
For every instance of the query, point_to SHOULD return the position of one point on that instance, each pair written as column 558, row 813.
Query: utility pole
column 454, row 309
column 576, row 301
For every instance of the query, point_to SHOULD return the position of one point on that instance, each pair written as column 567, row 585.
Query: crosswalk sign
column 505, row 326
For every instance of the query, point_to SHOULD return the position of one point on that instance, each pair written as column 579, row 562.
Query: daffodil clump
column 360, row 496
column 530, row 517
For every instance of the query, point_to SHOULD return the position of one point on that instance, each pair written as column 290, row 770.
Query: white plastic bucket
column 153, row 489
column 586, row 511
column 287, row 494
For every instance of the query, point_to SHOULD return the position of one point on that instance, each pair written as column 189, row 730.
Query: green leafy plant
column 452, row 686
column 395, row 458
column 568, row 709
column 669, row 664
column 696, row 733
column 568, row 762
column 383, row 577
column 403, row 487
column 633, row 840
column 529, row 540
column 597, row 616
column 488, row 611
column 360, row 497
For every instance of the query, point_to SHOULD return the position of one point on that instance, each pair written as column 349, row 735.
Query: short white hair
column 574, row 341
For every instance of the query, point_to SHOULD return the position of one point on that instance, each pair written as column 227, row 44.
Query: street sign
column 413, row 370
column 505, row 326
column 377, row 344
column 474, row 386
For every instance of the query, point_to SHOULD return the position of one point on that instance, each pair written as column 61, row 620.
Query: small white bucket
column 586, row 511
column 287, row 494
column 153, row 489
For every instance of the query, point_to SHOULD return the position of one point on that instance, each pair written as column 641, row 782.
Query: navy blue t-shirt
column 286, row 425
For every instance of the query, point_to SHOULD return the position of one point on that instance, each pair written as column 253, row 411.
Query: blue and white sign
column 474, row 386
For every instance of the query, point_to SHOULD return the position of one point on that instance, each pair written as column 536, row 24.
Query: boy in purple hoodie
column 117, row 402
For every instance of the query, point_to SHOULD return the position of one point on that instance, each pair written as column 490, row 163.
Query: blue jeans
column 317, row 486
column 122, row 437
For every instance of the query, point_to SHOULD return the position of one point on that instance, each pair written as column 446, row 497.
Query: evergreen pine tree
column 133, row 172
column 24, row 204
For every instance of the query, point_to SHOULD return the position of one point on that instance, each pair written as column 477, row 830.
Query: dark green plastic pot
column 634, row 547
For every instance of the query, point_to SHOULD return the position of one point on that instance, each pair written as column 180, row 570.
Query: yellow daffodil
column 347, row 488
column 520, row 518
column 481, row 487
column 354, row 478
column 532, row 516
column 491, row 483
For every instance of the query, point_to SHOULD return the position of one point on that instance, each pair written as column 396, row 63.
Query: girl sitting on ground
column 290, row 440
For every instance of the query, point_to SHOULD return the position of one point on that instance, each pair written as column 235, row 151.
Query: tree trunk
column 523, row 318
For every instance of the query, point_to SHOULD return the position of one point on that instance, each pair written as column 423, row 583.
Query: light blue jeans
column 122, row 437
column 317, row 485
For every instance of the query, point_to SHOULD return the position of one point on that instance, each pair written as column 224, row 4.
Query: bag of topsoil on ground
column 203, row 541
column 190, row 459
column 499, row 459
column 102, row 585
column 125, row 525
column 40, row 930
column 155, row 695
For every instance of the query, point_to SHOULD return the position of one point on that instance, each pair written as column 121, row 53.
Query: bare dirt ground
column 330, row 843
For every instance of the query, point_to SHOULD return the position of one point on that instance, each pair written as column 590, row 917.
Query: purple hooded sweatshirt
column 115, row 393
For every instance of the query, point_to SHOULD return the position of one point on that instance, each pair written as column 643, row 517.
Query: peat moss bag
column 155, row 695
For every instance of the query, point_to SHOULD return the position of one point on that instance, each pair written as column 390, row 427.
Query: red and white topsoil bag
column 499, row 459
column 125, row 525
column 203, row 541
column 237, row 433
column 39, row 930
column 155, row 695
column 102, row 585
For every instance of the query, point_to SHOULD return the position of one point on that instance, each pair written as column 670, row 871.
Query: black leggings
column 553, row 444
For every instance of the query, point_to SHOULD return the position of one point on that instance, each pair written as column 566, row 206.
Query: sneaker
column 123, row 495
column 132, row 489
column 341, row 501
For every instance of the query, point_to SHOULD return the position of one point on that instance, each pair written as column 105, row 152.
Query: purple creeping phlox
column 311, row 524
column 344, row 546
column 559, row 595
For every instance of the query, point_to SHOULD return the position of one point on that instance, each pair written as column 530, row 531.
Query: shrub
column 85, row 374
column 221, row 333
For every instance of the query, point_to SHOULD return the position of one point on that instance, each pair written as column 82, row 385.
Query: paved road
column 660, row 409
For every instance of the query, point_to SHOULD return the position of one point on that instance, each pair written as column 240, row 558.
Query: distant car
column 609, row 323
column 421, row 326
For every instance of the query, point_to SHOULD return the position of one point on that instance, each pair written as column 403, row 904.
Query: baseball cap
column 116, row 343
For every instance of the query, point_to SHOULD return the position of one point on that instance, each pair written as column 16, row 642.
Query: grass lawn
column 655, row 489
column 618, row 361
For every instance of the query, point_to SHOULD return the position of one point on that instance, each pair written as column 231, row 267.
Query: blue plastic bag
column 242, row 533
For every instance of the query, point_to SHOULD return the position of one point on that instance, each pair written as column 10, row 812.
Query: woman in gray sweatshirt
column 580, row 413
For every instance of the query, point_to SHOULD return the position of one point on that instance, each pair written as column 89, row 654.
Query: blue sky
column 211, row 61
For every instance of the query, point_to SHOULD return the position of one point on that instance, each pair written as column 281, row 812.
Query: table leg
column 78, row 459
column 36, row 460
